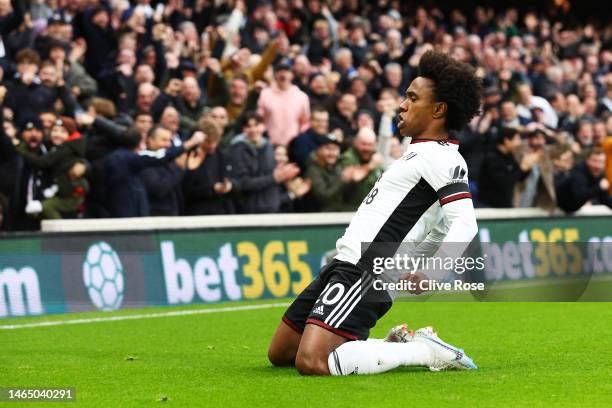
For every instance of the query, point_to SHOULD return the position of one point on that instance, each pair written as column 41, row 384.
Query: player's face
column 417, row 108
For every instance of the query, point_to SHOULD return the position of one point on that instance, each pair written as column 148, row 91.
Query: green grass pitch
column 529, row 354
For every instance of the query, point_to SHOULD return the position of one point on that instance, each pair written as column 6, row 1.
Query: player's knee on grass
column 284, row 346
column 308, row 363
column 280, row 358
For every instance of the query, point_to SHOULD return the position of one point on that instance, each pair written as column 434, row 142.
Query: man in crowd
column 330, row 184
column 284, row 107
column 363, row 165
column 344, row 116
column 538, row 188
column 128, row 195
column 206, row 184
column 500, row 171
column 30, row 94
column 163, row 183
column 587, row 183
column 29, row 183
column 255, row 175
column 302, row 146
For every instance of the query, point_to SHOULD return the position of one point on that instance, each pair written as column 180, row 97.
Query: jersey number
column 370, row 197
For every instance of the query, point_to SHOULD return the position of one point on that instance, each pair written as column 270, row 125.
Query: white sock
column 373, row 357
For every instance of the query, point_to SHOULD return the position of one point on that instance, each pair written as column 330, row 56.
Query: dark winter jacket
column 581, row 187
column 251, row 175
column 498, row 176
column 28, row 184
column 104, row 136
column 302, row 146
column 127, row 196
column 30, row 100
column 200, row 197
column 163, row 185
column 58, row 162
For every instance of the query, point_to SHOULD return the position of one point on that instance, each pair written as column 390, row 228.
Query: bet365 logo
column 103, row 276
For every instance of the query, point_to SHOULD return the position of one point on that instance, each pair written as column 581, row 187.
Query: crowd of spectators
column 186, row 107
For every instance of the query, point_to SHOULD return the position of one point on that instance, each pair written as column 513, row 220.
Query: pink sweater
column 285, row 113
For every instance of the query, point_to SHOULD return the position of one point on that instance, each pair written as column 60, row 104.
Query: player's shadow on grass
column 269, row 370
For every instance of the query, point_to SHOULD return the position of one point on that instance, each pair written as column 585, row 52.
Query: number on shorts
column 332, row 294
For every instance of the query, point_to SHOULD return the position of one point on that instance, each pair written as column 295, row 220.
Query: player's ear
column 439, row 110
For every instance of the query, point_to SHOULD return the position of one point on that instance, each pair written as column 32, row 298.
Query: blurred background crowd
column 186, row 107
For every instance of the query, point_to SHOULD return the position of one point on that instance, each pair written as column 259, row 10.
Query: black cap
column 284, row 63
column 187, row 65
column 56, row 18
column 330, row 138
column 31, row 123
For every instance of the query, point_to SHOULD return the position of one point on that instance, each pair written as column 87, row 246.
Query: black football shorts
column 342, row 300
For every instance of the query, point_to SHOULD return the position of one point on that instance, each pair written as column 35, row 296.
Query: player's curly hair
column 456, row 84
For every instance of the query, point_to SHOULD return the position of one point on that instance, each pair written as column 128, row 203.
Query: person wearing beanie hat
column 67, row 192
column 63, row 129
column 330, row 183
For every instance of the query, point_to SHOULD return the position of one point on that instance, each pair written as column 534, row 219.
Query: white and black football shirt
column 406, row 203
